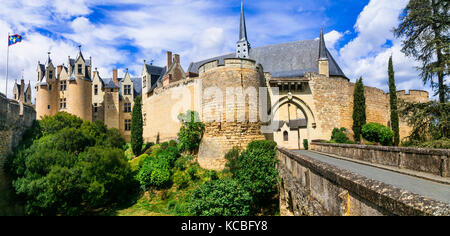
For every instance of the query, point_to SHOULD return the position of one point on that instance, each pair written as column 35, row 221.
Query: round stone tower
column 45, row 100
column 230, row 108
column 79, row 102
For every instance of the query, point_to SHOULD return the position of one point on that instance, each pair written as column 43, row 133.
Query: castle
column 307, row 96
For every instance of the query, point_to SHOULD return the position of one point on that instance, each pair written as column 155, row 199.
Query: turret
column 324, row 67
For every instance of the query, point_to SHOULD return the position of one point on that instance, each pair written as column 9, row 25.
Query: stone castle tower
column 230, row 108
column 64, row 88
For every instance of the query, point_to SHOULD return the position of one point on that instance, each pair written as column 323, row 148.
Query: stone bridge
column 316, row 183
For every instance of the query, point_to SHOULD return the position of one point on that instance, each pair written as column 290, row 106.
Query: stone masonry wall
column 311, row 188
column 333, row 104
column 15, row 118
column 231, row 121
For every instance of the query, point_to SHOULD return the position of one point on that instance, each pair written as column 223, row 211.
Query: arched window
column 286, row 136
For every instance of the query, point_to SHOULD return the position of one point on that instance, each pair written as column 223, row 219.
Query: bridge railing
column 432, row 161
column 311, row 187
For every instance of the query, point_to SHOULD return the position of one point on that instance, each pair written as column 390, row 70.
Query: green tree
column 225, row 197
column 430, row 121
column 257, row 172
column 136, row 128
column 68, row 170
column 191, row 131
column 359, row 109
column 425, row 29
column 393, row 103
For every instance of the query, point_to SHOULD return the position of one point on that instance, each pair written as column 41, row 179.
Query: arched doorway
column 294, row 120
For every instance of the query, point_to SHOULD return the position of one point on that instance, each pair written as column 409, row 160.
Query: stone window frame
column 95, row 107
column 62, row 103
column 286, row 136
column 127, row 89
column 80, row 69
column 144, row 81
column 62, row 85
column 127, row 107
column 144, row 119
column 95, row 89
column 50, row 74
column 127, row 125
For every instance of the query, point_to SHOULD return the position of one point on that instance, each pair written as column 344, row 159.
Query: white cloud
column 367, row 55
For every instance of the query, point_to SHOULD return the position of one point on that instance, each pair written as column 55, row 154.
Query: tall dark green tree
column 393, row 103
column 136, row 127
column 425, row 29
column 359, row 110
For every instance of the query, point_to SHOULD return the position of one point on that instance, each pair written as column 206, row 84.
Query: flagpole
column 7, row 66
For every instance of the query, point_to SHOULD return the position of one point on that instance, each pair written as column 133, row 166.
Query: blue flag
column 13, row 39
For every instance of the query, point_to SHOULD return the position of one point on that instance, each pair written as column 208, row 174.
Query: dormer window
column 95, row 89
column 144, row 81
column 50, row 74
column 127, row 89
column 80, row 69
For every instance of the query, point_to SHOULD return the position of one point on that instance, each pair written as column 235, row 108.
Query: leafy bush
column 232, row 159
column 170, row 154
column 339, row 136
column 192, row 171
column 182, row 162
column 160, row 177
column 154, row 172
column 191, row 132
column 257, row 171
column 181, row 179
column 306, row 144
column 224, row 197
column 374, row 132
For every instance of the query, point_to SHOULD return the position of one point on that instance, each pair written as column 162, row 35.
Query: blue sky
column 122, row 33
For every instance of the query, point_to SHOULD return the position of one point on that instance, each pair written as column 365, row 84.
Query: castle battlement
column 413, row 93
column 229, row 62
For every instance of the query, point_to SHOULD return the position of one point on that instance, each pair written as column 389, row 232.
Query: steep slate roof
column 137, row 85
column 154, row 69
column 284, row 60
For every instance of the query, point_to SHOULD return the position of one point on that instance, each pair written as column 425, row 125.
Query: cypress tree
column 393, row 102
column 359, row 110
column 136, row 128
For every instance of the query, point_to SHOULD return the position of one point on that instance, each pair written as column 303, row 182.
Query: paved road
column 432, row 190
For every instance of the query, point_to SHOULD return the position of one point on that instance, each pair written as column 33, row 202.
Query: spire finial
column 243, row 28
column 243, row 46
column 322, row 47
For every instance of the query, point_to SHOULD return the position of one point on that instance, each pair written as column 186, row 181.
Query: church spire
column 243, row 28
column 322, row 48
column 243, row 46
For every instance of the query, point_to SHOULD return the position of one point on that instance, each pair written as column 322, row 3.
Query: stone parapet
column 310, row 187
column 432, row 161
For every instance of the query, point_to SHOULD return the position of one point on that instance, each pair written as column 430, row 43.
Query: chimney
column 115, row 77
column 176, row 58
column 169, row 59
column 59, row 71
